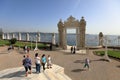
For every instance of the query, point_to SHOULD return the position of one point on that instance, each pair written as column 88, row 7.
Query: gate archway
column 80, row 27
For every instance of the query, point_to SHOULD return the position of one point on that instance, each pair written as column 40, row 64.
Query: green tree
column 13, row 41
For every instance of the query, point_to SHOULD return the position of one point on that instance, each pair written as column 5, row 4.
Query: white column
column 36, row 48
column 19, row 36
column 53, row 38
column 27, row 36
column 38, row 37
column 3, row 36
column 8, row 37
column 13, row 35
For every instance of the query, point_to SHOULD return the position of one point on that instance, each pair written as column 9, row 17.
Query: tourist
column 23, row 61
column 37, row 63
column 43, row 61
column 27, row 64
column 49, row 63
column 25, row 48
column 87, row 63
column 28, row 49
column 51, row 47
column 10, row 47
column 72, row 49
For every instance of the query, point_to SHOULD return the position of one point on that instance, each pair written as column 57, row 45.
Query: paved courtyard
column 72, row 63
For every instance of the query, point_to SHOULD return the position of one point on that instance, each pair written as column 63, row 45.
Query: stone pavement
column 99, row 69
column 55, row 73
column 72, row 64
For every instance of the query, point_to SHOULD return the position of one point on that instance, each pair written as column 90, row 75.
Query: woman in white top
column 37, row 63
column 49, row 63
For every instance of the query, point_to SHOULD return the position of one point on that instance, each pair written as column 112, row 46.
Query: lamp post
column 106, row 49
column 31, row 41
column 36, row 48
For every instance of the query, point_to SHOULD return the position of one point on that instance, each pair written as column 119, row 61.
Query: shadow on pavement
column 78, row 70
column 99, row 60
column 21, row 52
column 118, row 66
column 14, row 74
column 83, row 61
column 67, row 53
column 79, row 61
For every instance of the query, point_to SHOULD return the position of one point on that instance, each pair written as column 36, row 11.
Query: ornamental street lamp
column 106, row 49
column 31, row 41
column 36, row 48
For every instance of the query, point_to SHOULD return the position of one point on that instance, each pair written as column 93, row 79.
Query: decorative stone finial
column 82, row 17
column 100, row 34
column 60, row 23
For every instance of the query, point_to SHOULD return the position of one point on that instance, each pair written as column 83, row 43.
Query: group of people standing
column 73, row 50
column 26, row 49
column 38, row 63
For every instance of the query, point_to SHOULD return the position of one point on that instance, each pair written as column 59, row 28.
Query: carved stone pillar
column 82, row 32
column 60, row 37
column 19, row 36
column 77, row 38
column 27, row 36
column 64, row 39
column 53, row 39
column 60, row 29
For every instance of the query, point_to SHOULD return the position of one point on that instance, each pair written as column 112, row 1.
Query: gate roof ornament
column 71, row 22
column 82, row 21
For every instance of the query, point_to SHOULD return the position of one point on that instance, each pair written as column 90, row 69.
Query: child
column 87, row 62
column 49, row 64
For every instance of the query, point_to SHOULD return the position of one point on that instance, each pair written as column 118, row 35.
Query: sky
column 44, row 15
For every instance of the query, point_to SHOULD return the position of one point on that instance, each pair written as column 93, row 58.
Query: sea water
column 90, row 39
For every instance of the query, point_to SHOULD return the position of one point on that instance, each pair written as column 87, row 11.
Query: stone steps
column 54, row 73
column 63, row 76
